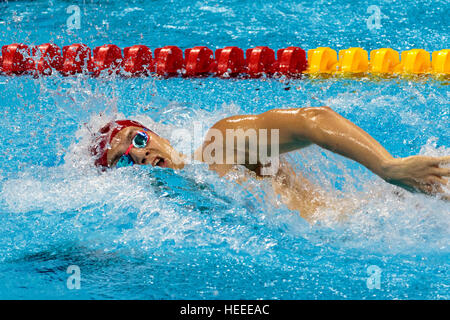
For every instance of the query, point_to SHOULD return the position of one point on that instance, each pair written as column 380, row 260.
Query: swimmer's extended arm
column 322, row 126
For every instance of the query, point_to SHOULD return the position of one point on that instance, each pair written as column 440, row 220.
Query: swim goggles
column 140, row 140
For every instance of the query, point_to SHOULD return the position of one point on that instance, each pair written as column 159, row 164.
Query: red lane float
column 16, row 59
column 76, row 59
column 260, row 60
column 230, row 62
column 47, row 57
column 169, row 60
column 107, row 57
column 291, row 61
column 198, row 61
column 138, row 60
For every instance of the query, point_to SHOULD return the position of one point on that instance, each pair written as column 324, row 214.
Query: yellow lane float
column 415, row 62
column 441, row 62
column 353, row 61
column 322, row 60
column 384, row 61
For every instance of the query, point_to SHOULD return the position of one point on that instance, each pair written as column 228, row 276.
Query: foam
column 154, row 209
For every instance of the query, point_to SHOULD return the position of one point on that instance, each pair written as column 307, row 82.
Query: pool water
column 152, row 233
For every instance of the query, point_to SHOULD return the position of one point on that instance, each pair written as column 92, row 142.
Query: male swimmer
column 125, row 142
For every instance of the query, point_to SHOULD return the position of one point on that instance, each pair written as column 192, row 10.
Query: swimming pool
column 150, row 233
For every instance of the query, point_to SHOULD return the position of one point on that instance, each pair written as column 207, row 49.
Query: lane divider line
column 228, row 62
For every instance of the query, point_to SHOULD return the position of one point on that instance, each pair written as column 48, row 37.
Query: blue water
column 152, row 233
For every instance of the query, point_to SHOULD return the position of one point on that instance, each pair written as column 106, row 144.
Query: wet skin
column 158, row 151
column 299, row 128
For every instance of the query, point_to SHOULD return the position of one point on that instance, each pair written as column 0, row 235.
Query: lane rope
column 228, row 62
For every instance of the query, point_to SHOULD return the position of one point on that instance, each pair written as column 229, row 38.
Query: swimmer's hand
column 419, row 174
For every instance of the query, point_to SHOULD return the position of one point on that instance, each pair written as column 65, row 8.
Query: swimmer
column 126, row 142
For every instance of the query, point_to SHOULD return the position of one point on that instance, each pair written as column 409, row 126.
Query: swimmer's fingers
column 433, row 186
column 436, row 161
column 430, row 189
column 434, row 180
column 420, row 174
column 442, row 181
column 441, row 172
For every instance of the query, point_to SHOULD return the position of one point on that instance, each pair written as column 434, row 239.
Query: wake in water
column 147, row 218
column 154, row 207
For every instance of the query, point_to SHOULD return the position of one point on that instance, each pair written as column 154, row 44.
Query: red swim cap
column 102, row 140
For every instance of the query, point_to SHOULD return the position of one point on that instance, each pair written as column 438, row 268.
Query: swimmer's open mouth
column 159, row 162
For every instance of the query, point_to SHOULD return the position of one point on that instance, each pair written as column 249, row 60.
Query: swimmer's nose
column 159, row 143
column 155, row 144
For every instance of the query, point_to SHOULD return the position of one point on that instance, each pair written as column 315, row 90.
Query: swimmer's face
column 157, row 152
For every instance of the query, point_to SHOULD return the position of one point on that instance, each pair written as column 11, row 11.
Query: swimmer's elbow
column 313, row 119
column 297, row 126
column 316, row 113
